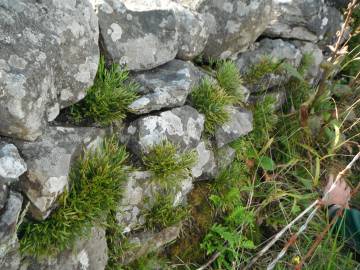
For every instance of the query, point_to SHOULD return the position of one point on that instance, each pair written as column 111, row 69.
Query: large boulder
column 139, row 33
column 298, row 19
column 140, row 193
column 166, row 86
column 48, row 58
column 239, row 124
column 276, row 50
column 49, row 161
column 233, row 24
column 9, row 257
column 182, row 126
column 11, row 164
column 88, row 254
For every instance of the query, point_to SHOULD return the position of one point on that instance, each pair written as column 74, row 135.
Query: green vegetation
column 163, row 214
column 167, row 164
column 229, row 78
column 96, row 186
column 108, row 99
column 256, row 75
column 211, row 100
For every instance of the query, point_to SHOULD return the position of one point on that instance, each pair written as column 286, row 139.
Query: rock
column 314, row 71
column 205, row 168
column 233, row 24
column 147, row 242
column 298, row 19
column 11, row 163
column 88, row 254
column 43, row 63
column 49, row 161
column 337, row 3
column 166, row 86
column 4, row 193
column 225, row 156
column 12, row 258
column 182, row 126
column 193, row 33
column 139, row 194
column 141, row 34
column 239, row 124
column 8, row 221
column 275, row 49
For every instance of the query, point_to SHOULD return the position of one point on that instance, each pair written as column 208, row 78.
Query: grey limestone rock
column 139, row 194
column 239, row 124
column 182, row 126
column 233, row 24
column 8, row 239
column 11, row 163
column 49, row 162
column 298, row 19
column 193, row 32
column 139, row 33
column 275, row 49
column 88, row 254
column 48, row 57
column 205, row 168
column 166, row 86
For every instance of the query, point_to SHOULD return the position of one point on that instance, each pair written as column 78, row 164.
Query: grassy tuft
column 167, row 165
column 163, row 214
column 229, row 78
column 211, row 100
column 95, row 191
column 108, row 99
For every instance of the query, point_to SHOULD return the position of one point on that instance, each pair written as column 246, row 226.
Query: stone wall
column 49, row 54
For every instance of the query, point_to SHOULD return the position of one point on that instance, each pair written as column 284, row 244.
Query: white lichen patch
column 115, row 32
column 83, row 259
column 17, row 62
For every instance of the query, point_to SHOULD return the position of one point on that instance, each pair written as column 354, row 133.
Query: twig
column 212, row 259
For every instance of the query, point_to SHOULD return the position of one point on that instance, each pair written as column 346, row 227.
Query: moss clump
column 163, row 214
column 211, row 100
column 108, row 99
column 257, row 72
column 95, row 191
column 229, row 79
column 167, row 165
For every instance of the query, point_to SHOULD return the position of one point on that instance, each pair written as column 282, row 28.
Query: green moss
column 108, row 99
column 229, row 78
column 95, row 191
column 211, row 100
column 163, row 214
column 167, row 164
column 256, row 72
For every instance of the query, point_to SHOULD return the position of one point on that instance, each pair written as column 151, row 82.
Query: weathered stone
column 139, row 194
column 166, row 86
column 313, row 71
column 239, row 124
column 11, row 164
column 147, row 242
column 298, row 19
column 225, row 156
column 337, row 3
column 193, row 32
column 4, row 193
column 48, row 58
column 205, row 168
column 139, row 33
column 275, row 49
column 182, row 126
column 233, row 24
column 88, row 254
column 8, row 221
column 12, row 258
column 49, row 161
